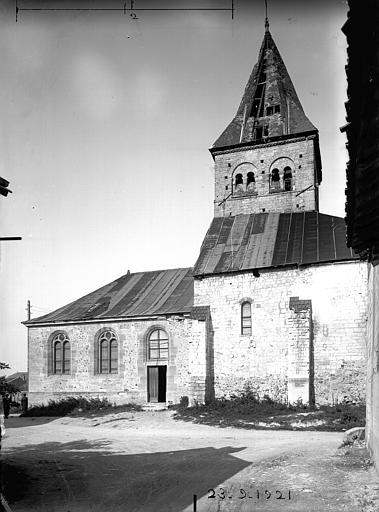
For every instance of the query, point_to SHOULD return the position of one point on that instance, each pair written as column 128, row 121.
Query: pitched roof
column 159, row 292
column 18, row 375
column 269, row 85
column 261, row 240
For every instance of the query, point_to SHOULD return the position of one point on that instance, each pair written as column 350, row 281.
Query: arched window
column 287, row 178
column 157, row 345
column 61, row 354
column 275, row 179
column 250, row 183
column 238, row 183
column 246, row 318
column 107, row 351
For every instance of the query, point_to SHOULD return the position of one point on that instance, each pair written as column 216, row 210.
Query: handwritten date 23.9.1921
column 222, row 494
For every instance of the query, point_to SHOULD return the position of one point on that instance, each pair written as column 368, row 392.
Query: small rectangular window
column 254, row 108
column 246, row 318
column 269, row 111
column 277, row 109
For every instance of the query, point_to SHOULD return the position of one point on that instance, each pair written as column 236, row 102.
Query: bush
column 184, row 401
column 77, row 405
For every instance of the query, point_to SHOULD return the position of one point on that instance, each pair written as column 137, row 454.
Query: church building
column 276, row 302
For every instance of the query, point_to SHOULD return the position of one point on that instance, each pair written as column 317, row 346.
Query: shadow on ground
column 20, row 422
column 84, row 475
column 273, row 416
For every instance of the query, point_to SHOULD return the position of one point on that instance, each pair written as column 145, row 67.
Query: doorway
column 156, row 383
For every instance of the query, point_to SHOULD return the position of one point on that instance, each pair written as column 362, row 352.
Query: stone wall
column 372, row 420
column 300, row 351
column 338, row 295
column 185, row 367
column 299, row 155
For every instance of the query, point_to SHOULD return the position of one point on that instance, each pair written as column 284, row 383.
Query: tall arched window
column 107, row 351
column 287, row 178
column 238, row 183
column 157, row 345
column 61, row 354
column 275, row 179
column 246, row 318
column 250, row 183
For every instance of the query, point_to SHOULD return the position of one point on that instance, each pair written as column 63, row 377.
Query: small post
column 28, row 309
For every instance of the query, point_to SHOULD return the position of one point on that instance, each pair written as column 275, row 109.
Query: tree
column 3, row 383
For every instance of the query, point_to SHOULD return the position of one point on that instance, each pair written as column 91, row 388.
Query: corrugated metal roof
column 160, row 292
column 264, row 240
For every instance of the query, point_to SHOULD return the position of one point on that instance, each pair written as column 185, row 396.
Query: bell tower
column 268, row 157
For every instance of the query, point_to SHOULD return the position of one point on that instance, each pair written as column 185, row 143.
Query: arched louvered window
column 157, row 345
column 238, row 183
column 107, row 352
column 250, row 183
column 275, row 180
column 246, row 318
column 61, row 354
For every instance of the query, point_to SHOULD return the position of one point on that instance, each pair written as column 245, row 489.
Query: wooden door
column 153, row 383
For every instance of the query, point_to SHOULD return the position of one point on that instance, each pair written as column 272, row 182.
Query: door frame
column 162, row 374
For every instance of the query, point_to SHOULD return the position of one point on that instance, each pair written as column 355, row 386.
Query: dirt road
column 148, row 462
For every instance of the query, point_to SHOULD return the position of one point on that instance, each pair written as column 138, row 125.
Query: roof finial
column 267, row 25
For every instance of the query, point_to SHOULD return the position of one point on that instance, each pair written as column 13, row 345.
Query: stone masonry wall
column 372, row 419
column 338, row 293
column 186, row 363
column 300, row 351
column 299, row 155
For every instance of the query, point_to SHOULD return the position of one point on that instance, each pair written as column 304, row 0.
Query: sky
column 106, row 123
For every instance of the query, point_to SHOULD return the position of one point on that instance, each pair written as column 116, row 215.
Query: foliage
column 5, row 387
column 247, row 410
column 77, row 406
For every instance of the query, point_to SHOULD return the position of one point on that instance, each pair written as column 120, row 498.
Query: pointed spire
column 267, row 24
column 270, row 106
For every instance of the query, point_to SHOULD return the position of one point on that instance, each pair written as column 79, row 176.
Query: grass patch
column 79, row 406
column 249, row 412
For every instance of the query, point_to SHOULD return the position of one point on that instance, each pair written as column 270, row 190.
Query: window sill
column 244, row 194
column 97, row 374
column 60, row 375
column 279, row 191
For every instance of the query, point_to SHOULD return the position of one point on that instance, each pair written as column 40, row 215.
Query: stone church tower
column 275, row 301
column 273, row 270
column 270, row 126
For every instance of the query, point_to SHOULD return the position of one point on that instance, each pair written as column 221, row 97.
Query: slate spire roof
column 270, row 106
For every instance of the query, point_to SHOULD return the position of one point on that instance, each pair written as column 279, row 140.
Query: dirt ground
column 146, row 461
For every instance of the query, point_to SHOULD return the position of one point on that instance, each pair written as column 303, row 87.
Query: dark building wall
column 362, row 192
column 372, row 423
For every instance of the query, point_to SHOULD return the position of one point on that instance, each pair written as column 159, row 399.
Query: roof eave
column 278, row 267
column 261, row 142
column 32, row 323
